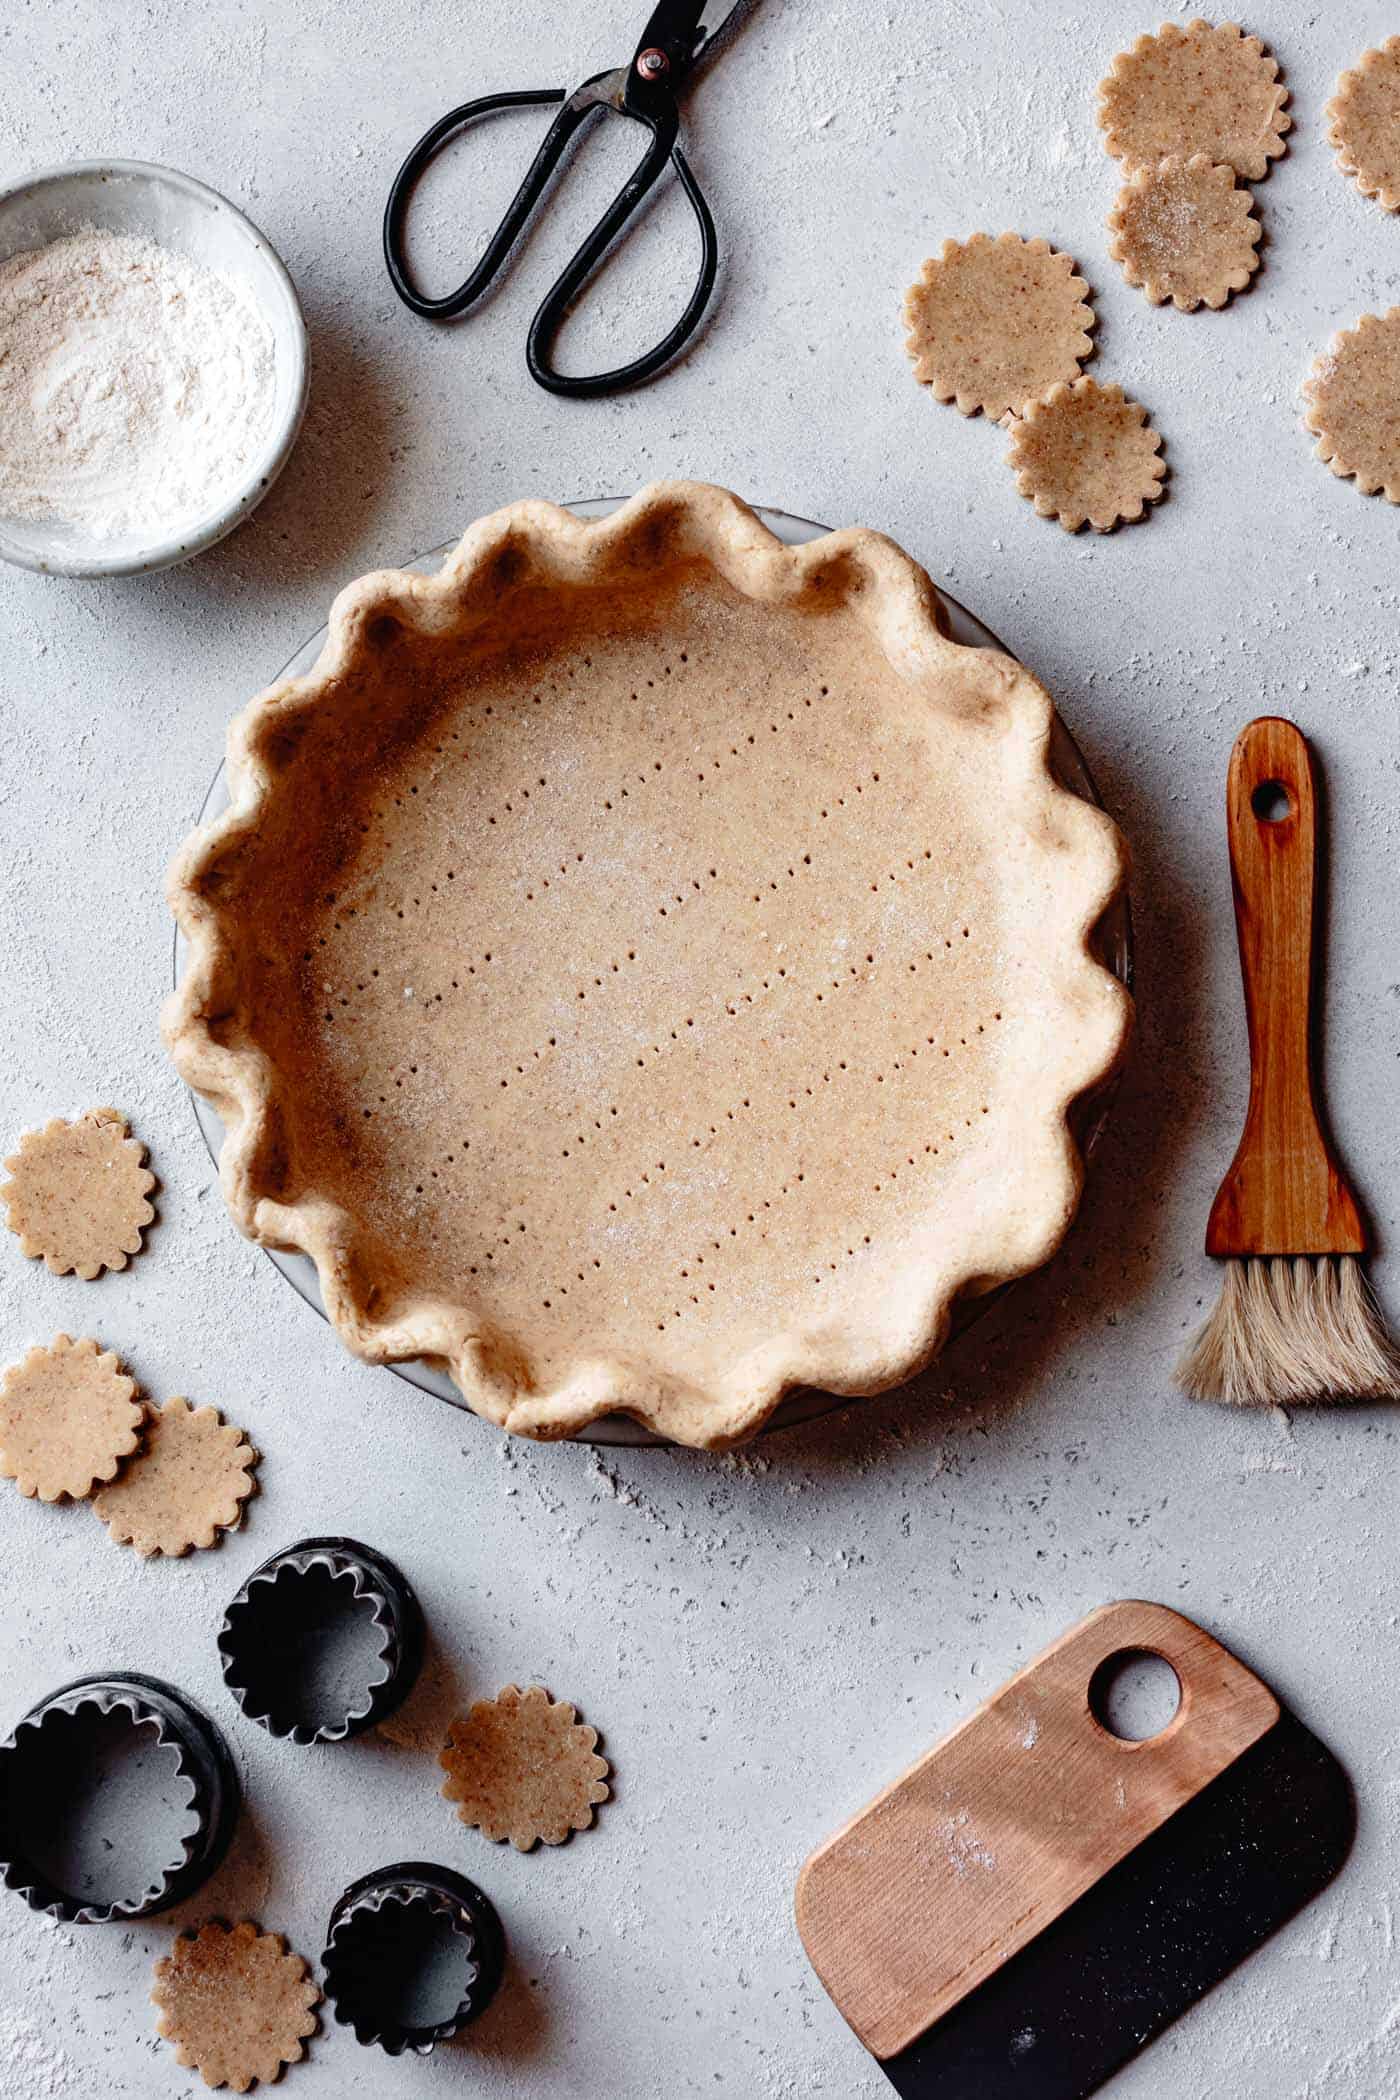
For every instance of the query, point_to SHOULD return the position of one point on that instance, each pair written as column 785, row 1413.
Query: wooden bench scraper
column 1037, row 1898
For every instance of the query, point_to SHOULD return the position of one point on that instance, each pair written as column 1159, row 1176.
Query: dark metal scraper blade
column 1149, row 1939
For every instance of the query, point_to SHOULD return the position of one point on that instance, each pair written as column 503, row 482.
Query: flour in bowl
column 136, row 386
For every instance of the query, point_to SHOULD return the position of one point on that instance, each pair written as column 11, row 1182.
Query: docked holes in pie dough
column 681, row 978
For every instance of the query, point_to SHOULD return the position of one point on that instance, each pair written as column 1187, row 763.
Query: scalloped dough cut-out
column 1353, row 397
column 1202, row 89
column 523, row 1766
column 993, row 322
column 68, row 1416
column 189, row 1482
column 648, row 967
column 76, row 1196
column 1364, row 124
column 1086, row 454
column 236, row 2003
column 1184, row 230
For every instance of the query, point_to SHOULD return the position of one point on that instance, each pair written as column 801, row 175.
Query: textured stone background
column 763, row 1638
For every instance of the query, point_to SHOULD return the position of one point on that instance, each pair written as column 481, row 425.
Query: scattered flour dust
column 136, row 386
column 965, row 1850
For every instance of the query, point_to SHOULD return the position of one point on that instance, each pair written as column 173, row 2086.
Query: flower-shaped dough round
column 523, row 1766
column 1201, row 89
column 1087, row 454
column 68, row 1416
column 1364, row 124
column 77, row 1194
column 994, row 322
column 189, row 1483
column 647, row 967
column 1184, row 230
column 1353, row 404
column 236, row 2003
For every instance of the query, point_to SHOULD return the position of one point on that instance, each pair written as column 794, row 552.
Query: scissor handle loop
column 555, row 305
column 661, row 121
column 451, row 304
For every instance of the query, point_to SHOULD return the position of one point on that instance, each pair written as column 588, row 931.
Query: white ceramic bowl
column 133, row 197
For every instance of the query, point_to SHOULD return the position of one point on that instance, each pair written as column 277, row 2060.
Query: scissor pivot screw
column 652, row 64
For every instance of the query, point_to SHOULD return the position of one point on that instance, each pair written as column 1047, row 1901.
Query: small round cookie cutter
column 118, row 1798
column 323, row 1640
column 413, row 1953
column 1089, row 1118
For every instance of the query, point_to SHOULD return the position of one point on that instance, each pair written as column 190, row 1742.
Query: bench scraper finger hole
column 1134, row 1694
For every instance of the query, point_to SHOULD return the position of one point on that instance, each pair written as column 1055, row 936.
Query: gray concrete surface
column 764, row 1638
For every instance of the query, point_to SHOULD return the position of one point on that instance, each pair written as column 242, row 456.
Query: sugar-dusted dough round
column 648, row 967
column 1185, row 230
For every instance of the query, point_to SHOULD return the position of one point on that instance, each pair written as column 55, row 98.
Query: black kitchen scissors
column 645, row 89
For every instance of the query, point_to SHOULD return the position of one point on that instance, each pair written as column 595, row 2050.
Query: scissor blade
column 688, row 24
column 713, row 16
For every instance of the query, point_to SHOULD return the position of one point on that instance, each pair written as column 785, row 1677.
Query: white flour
column 135, row 386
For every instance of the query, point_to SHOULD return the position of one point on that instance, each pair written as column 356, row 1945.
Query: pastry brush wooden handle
column 1284, row 1193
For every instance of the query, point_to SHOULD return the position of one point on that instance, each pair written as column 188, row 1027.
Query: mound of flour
column 136, row 386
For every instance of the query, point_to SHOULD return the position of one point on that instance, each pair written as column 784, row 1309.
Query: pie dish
column 648, row 967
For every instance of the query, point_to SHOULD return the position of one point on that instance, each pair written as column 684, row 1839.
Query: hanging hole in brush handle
column 1271, row 802
column 1285, row 1192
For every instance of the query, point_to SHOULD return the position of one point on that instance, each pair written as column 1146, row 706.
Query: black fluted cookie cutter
column 54, row 1755
column 299, row 1605
column 388, row 1938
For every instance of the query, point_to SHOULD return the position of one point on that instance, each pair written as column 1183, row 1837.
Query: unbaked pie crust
column 648, row 967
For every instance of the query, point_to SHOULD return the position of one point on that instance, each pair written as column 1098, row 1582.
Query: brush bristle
column 1292, row 1330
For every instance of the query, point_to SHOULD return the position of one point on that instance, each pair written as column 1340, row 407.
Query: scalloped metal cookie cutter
column 62, row 1751
column 399, row 1943
column 295, row 1642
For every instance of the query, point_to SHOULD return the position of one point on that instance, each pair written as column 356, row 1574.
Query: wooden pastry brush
column 1296, row 1320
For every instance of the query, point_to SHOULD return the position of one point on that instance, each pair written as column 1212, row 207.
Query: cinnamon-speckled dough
column 236, row 2004
column 68, row 1416
column 1087, row 454
column 1199, row 89
column 994, row 322
column 189, row 1482
column 1364, row 124
column 76, row 1197
column 1353, row 397
column 523, row 1766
